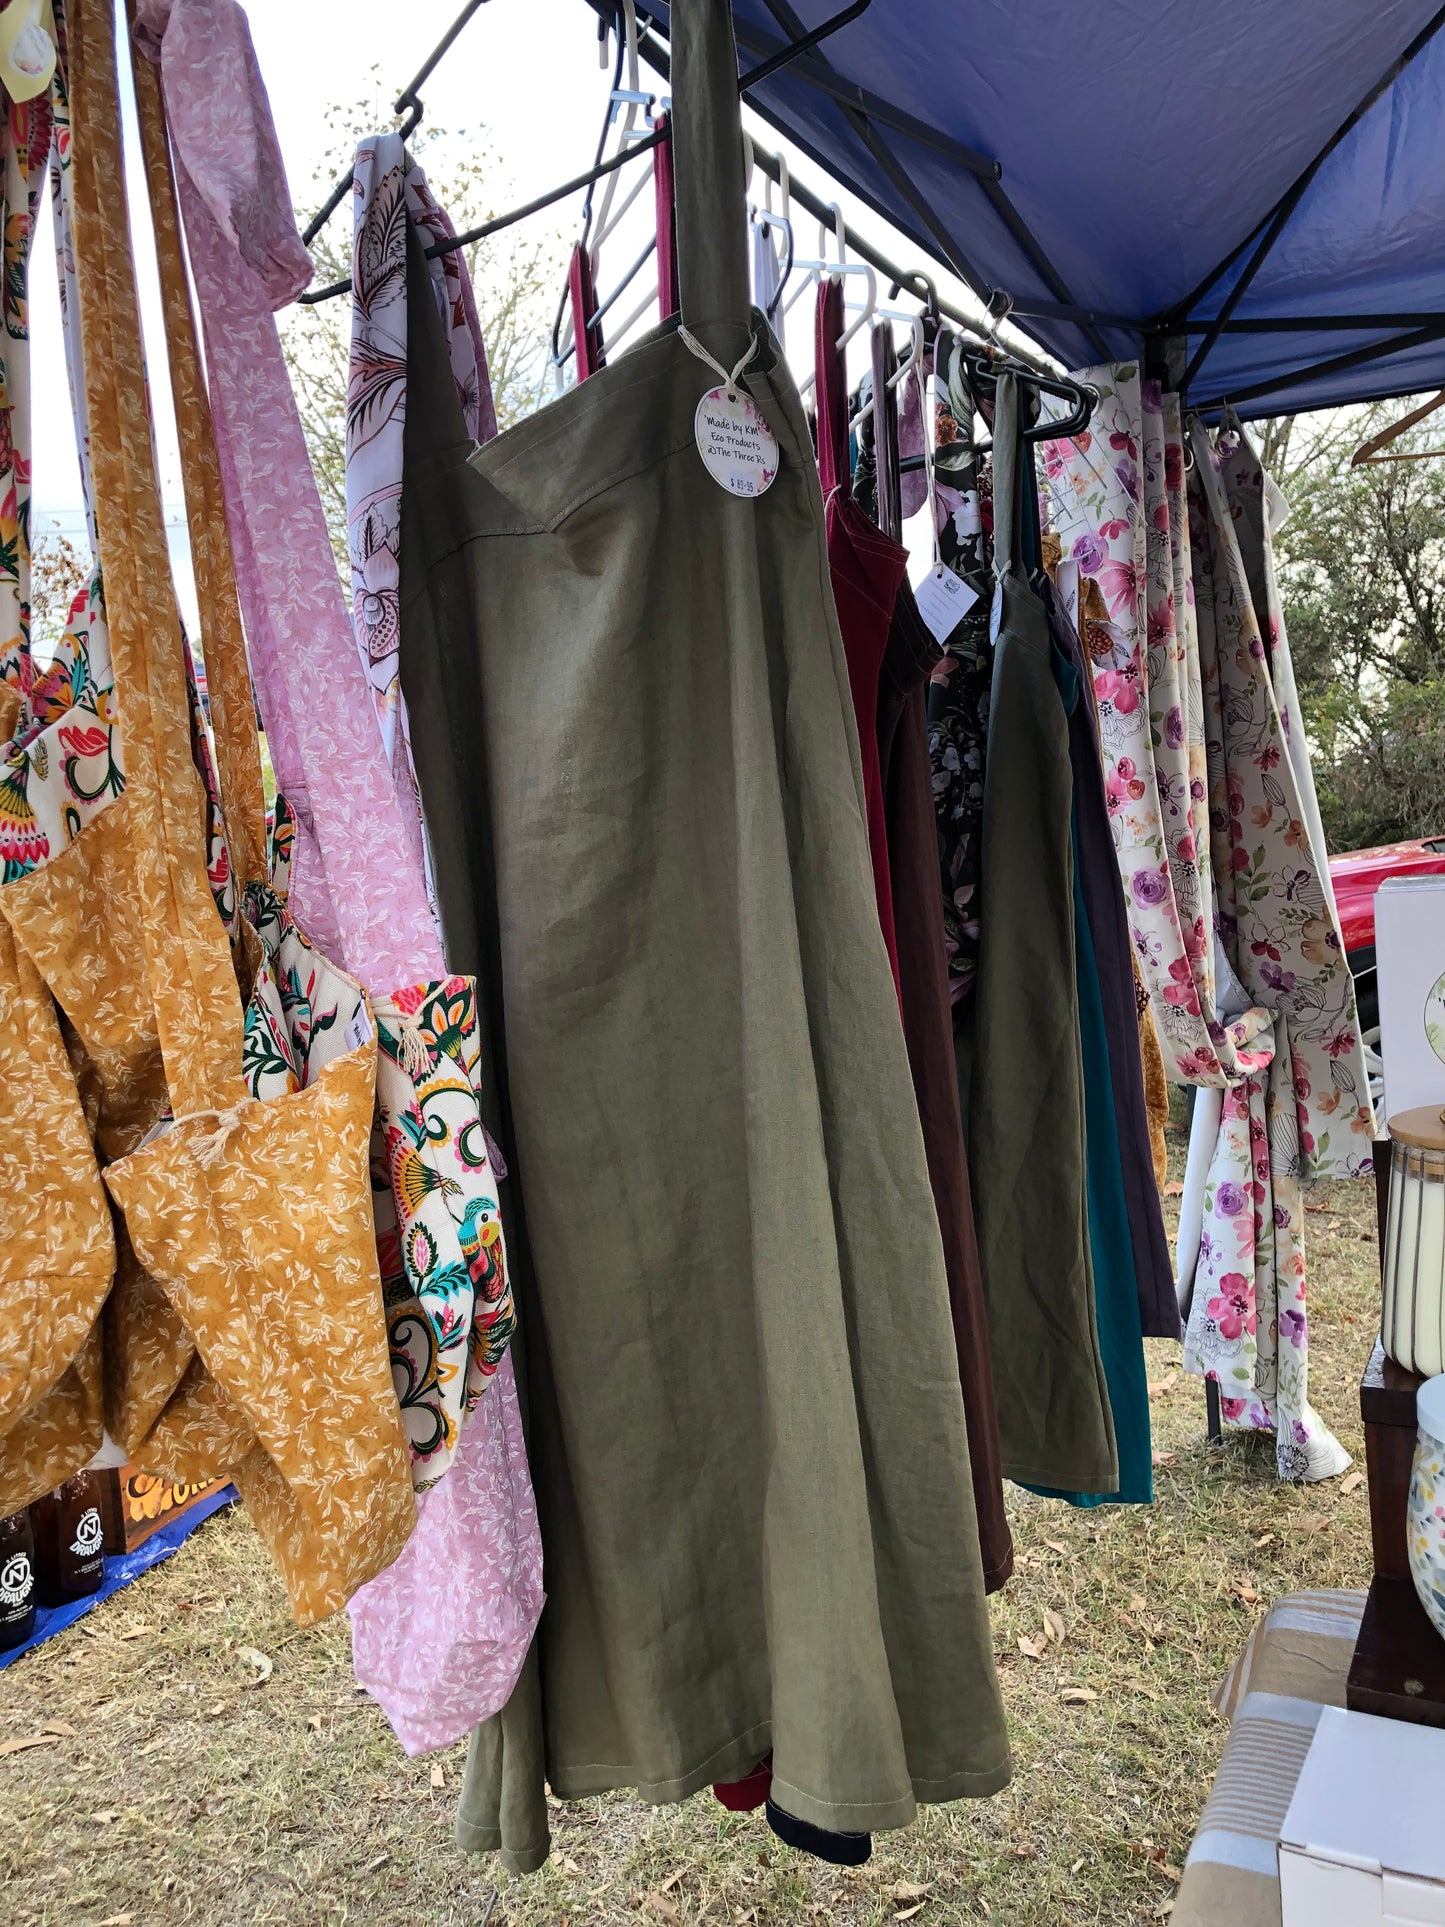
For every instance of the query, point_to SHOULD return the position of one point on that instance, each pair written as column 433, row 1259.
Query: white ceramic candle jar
column 1425, row 1521
column 1412, row 1327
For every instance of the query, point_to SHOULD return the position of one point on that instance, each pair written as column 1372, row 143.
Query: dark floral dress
column 958, row 701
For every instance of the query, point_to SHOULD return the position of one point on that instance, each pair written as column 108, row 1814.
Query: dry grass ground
column 176, row 1789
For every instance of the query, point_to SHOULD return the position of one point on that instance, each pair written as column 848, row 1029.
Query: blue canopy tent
column 1251, row 197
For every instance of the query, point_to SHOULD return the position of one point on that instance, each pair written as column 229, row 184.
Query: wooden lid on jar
column 1420, row 1129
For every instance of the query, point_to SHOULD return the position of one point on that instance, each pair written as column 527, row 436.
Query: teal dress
column 1116, row 1294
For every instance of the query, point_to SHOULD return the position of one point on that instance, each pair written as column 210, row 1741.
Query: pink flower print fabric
column 1277, row 924
column 1248, row 1326
column 1110, row 501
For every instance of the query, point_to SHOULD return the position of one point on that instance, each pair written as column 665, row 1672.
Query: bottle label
column 17, row 1581
column 86, row 1543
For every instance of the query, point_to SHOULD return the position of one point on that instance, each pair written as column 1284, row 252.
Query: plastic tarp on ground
column 1142, row 144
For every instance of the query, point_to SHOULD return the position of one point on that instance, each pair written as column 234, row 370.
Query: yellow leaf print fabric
column 244, row 1332
column 253, row 1213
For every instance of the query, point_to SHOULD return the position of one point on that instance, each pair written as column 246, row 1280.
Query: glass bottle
column 69, row 1541
column 17, row 1581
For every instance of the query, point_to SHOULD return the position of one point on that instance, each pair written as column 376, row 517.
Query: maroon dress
column 866, row 566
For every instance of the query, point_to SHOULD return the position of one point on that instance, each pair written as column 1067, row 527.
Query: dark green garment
column 1116, row 1290
column 1019, row 1051
column 631, row 721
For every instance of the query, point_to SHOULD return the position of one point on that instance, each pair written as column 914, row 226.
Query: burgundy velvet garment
column 906, row 774
column 866, row 566
column 1103, row 896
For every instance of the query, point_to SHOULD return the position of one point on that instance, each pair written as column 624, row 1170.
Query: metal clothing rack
column 798, row 49
column 409, row 103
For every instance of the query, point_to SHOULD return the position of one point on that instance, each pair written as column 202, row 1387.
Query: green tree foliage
column 516, row 276
column 1362, row 579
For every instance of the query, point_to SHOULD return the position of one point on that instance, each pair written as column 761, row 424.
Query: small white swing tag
column 943, row 599
column 737, row 447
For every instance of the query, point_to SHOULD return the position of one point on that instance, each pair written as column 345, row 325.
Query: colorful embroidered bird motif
column 480, row 1237
column 23, row 844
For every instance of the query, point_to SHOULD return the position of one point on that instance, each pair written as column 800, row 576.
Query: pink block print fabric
column 444, row 1631
column 358, row 876
column 439, row 1639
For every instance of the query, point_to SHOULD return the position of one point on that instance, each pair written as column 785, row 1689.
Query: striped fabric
column 1296, row 1661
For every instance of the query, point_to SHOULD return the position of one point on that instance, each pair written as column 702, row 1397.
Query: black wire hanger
column 409, row 103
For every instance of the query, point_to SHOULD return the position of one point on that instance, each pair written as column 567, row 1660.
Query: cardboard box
column 1410, row 962
column 1363, row 1844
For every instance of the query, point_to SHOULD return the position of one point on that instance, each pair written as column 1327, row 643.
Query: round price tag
column 737, row 447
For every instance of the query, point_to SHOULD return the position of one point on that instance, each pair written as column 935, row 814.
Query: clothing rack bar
column 488, row 228
column 406, row 103
column 770, row 66
column 856, row 110
column 407, row 96
column 1319, row 323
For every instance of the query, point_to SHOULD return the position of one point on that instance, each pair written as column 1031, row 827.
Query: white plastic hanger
column 835, row 270
column 913, row 359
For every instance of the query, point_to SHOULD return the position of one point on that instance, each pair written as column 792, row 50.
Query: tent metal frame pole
column 1293, row 195
column 654, row 50
column 1317, row 323
column 817, row 73
column 1336, row 364
column 859, row 117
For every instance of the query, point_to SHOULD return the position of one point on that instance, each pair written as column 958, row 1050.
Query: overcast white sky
column 523, row 76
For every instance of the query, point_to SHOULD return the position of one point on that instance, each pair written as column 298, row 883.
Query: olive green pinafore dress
column 632, row 728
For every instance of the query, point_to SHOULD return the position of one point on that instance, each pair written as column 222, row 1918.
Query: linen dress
column 633, row 734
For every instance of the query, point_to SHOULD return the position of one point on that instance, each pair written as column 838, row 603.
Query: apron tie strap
column 730, row 381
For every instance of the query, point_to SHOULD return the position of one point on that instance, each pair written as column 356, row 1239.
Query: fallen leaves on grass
column 438, row 1774
column 36, row 1739
column 260, row 1663
column 1241, row 1590
column 1054, row 1627
column 1353, row 1482
column 1077, row 1695
column 1030, row 1648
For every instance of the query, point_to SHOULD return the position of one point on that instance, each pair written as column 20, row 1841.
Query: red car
column 1356, row 878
